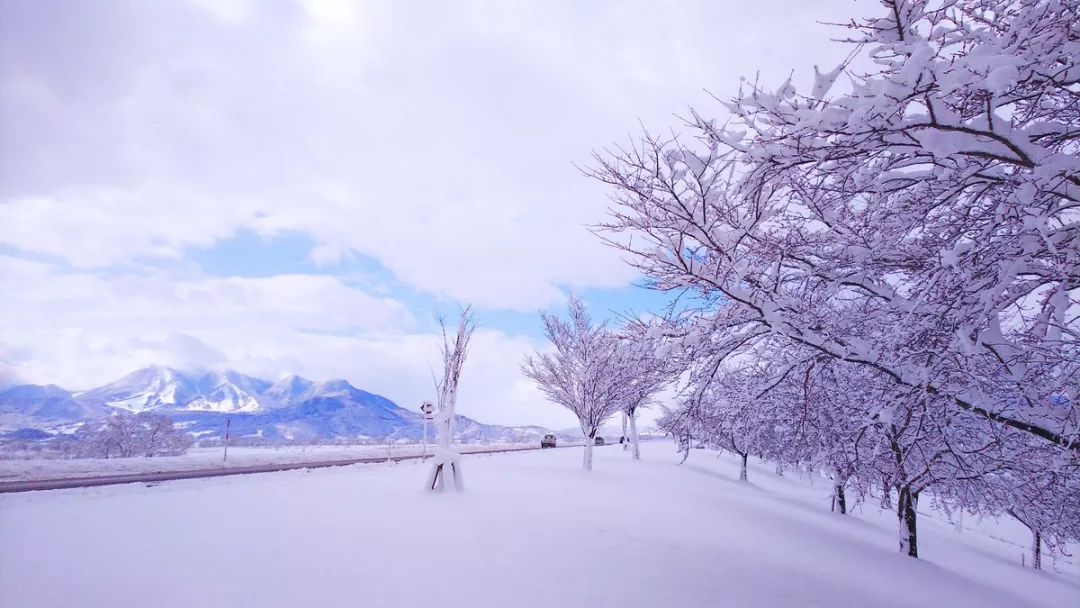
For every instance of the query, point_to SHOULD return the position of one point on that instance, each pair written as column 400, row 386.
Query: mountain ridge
column 291, row 408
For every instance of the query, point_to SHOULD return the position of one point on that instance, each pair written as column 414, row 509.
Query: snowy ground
column 531, row 530
column 209, row 458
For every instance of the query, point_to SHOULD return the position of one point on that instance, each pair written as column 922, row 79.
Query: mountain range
column 289, row 409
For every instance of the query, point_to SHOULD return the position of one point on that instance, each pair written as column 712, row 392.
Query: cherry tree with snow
column 916, row 222
column 585, row 371
column 936, row 199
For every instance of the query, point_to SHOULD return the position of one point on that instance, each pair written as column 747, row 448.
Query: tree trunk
column 886, row 495
column 1036, row 550
column 742, row 471
column 624, row 440
column 1036, row 541
column 587, row 461
column 779, row 469
column 839, row 500
column 635, row 447
column 905, row 513
column 446, row 461
column 686, row 452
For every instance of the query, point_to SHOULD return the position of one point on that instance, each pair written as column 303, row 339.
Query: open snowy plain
column 532, row 529
column 18, row 469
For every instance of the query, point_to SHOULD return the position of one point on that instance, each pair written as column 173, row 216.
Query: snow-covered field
column 532, row 529
column 212, row 458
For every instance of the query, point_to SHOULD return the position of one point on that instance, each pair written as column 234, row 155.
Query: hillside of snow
column 532, row 529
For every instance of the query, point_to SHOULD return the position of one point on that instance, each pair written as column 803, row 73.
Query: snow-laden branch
column 933, row 205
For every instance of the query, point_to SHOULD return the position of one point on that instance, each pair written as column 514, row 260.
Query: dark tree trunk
column 1036, row 542
column 905, row 512
column 742, row 471
column 838, row 498
column 689, row 446
column 886, row 495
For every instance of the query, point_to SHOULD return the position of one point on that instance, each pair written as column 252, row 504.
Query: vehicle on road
column 548, row 441
column 599, row 441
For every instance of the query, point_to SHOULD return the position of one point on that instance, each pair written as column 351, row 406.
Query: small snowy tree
column 583, row 373
column 1015, row 481
column 676, row 423
column 126, row 436
column 447, row 460
column 158, row 436
column 646, row 375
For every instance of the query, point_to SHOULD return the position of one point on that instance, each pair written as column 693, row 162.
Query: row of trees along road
column 877, row 278
column 596, row 372
column 130, row 435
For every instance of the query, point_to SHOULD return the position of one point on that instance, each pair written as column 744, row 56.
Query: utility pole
column 225, row 459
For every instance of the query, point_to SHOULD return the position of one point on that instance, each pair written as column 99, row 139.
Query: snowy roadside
column 532, row 529
column 212, row 458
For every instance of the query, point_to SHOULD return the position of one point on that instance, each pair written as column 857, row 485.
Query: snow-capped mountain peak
column 149, row 388
column 291, row 408
column 225, row 397
column 336, row 386
column 165, row 388
column 290, row 389
column 229, row 391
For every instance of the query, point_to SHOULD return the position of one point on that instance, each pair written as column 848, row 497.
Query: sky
column 299, row 186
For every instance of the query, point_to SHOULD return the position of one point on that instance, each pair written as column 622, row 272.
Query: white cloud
column 80, row 330
column 438, row 138
column 229, row 11
column 332, row 18
column 101, row 227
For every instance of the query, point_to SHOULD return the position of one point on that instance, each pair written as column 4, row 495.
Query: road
column 107, row 480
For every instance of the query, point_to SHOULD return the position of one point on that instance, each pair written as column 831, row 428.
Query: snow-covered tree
column 646, row 374
column 678, row 424
column 127, row 435
column 1048, row 505
column 725, row 421
column 158, row 436
column 1013, row 480
column 935, row 199
column 916, row 224
column 585, row 371
column 447, row 460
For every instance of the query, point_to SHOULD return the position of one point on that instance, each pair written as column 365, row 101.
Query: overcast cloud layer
column 433, row 142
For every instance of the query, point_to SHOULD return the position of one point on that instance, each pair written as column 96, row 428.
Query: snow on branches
column 594, row 372
column 128, row 435
column 447, row 460
column 936, row 202
column 884, row 272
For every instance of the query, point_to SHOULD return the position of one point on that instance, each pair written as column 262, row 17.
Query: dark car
column 599, row 441
column 548, row 441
